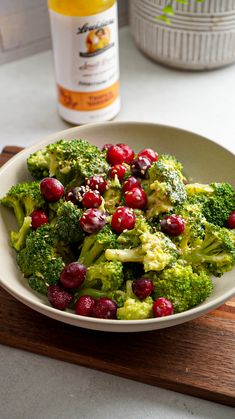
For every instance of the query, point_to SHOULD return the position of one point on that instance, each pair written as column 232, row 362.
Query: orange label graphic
column 88, row 101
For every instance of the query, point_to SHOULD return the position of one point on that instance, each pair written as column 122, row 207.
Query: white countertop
column 36, row 387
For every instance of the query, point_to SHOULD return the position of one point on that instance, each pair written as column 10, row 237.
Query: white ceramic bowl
column 201, row 36
column 203, row 160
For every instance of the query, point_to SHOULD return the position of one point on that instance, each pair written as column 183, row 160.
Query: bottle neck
column 80, row 7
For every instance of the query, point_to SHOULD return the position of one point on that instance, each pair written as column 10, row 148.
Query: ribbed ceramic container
column 201, row 35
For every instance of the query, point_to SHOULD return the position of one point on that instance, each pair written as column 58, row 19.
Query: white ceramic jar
column 201, row 35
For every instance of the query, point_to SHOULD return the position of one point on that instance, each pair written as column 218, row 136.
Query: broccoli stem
column 90, row 252
column 18, row 238
column 92, row 292
column 125, row 255
column 19, row 212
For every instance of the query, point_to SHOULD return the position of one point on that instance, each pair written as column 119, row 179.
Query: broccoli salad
column 114, row 234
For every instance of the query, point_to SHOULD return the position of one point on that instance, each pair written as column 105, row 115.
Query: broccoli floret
column 134, row 309
column 183, row 287
column 113, row 195
column 108, row 276
column 24, row 198
column 194, row 226
column 39, row 258
column 18, row 238
column 165, row 187
column 68, row 160
column 155, row 252
column 94, row 246
column 67, row 223
column 38, row 164
column 215, row 251
column 38, row 284
column 217, row 201
column 131, row 238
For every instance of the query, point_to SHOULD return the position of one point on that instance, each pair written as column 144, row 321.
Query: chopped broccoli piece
column 194, row 226
column 217, row 201
column 24, row 198
column 39, row 258
column 18, row 238
column 183, row 287
column 215, row 251
column 131, row 238
column 165, row 187
column 118, row 296
column 68, row 160
column 134, row 309
column 67, row 223
column 94, row 246
column 38, row 284
column 106, row 275
column 155, row 252
column 112, row 195
column 38, row 164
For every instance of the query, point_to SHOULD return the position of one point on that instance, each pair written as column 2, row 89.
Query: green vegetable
column 68, row 161
column 24, row 198
column 165, row 187
column 39, row 260
column 134, row 309
column 94, row 246
column 132, row 238
column 155, row 252
column 105, row 275
column 169, row 10
column 182, row 286
column 67, row 223
column 215, row 251
column 112, row 195
column 217, row 201
column 18, row 238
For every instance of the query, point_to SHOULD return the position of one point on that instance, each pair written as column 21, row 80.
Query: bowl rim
column 82, row 320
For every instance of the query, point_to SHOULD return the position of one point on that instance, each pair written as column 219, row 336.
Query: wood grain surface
column 196, row 358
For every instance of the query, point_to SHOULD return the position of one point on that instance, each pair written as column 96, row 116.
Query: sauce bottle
column 85, row 45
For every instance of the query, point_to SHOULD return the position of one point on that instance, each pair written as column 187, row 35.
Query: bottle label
column 86, row 59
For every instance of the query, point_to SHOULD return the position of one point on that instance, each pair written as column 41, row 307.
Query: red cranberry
column 136, row 198
column 115, row 155
column 92, row 220
column 128, row 152
column 73, row 275
column 173, row 225
column 39, row 218
column 84, row 306
column 231, row 220
column 106, row 146
column 162, row 307
column 91, row 199
column 140, row 166
column 149, row 153
column 119, row 170
column 75, row 194
column 58, row 297
column 51, row 189
column 130, row 183
column 123, row 219
column 142, row 288
column 105, row 308
column 96, row 183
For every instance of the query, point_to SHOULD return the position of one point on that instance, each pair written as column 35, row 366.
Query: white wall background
column 24, row 27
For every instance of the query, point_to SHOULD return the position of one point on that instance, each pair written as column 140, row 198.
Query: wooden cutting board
column 196, row 358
